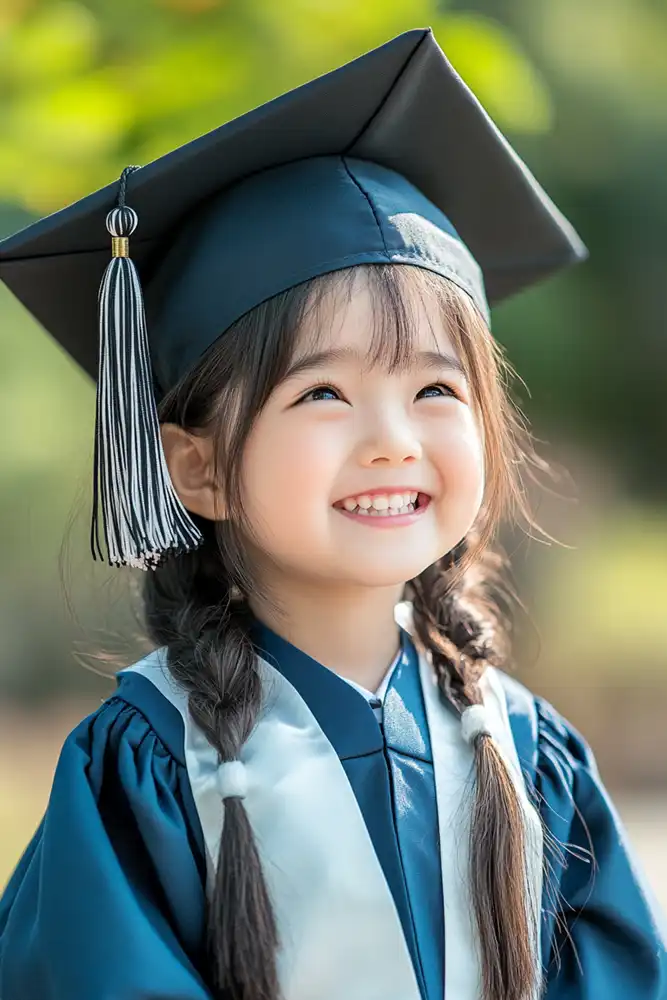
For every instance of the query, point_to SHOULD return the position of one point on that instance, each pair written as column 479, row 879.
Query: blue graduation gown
column 108, row 900
column 603, row 935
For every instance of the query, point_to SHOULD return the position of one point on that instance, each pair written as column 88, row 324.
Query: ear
column 191, row 467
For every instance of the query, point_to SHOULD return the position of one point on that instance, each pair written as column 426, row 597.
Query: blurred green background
column 580, row 88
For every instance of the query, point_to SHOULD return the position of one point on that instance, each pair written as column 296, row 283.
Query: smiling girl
column 321, row 785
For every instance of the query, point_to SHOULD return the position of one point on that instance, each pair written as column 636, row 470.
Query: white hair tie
column 231, row 780
column 475, row 721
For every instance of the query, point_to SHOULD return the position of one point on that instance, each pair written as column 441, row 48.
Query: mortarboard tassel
column 142, row 517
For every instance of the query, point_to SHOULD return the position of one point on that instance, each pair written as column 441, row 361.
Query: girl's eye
column 321, row 392
column 437, row 389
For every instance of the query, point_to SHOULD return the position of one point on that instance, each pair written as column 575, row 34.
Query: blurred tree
column 91, row 87
column 593, row 344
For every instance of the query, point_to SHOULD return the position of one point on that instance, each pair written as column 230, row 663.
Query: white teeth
column 382, row 503
column 388, row 512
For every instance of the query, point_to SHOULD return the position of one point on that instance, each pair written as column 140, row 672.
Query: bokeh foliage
column 89, row 87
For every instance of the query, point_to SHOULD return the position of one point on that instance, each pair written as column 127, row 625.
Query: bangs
column 244, row 366
column 398, row 295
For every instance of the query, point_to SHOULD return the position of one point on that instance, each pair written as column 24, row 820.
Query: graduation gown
column 361, row 836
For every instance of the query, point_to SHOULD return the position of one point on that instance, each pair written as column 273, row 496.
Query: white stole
column 340, row 933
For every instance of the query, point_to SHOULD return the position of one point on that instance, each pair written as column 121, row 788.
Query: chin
column 386, row 573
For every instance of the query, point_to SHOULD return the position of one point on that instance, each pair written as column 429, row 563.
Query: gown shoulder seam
column 160, row 716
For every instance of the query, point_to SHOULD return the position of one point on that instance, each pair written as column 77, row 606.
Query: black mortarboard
column 388, row 159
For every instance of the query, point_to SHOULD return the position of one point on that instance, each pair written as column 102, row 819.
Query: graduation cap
column 389, row 159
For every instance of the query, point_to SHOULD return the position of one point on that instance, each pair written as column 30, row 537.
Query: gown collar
column 376, row 698
column 343, row 713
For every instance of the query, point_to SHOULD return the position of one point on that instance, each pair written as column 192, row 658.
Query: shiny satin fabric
column 338, row 909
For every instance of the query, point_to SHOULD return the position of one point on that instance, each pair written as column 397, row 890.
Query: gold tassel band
column 120, row 246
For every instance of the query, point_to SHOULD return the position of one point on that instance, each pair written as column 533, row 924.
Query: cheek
column 287, row 471
column 459, row 456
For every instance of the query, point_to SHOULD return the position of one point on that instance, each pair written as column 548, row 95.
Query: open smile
column 385, row 507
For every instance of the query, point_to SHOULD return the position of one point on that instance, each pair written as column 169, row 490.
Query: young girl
column 320, row 785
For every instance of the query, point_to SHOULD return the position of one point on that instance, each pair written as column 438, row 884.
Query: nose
column 389, row 440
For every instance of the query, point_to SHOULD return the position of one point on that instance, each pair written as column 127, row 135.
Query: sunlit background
column 581, row 90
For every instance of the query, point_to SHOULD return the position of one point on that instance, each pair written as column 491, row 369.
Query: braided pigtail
column 458, row 624
column 193, row 608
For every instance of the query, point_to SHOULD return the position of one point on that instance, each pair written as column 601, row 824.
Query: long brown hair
column 195, row 606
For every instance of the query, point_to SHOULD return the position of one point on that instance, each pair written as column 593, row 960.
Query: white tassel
column 142, row 517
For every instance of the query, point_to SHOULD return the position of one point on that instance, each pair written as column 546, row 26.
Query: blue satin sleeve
column 108, row 899
column 604, row 933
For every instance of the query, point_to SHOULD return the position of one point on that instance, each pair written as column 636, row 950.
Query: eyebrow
column 420, row 360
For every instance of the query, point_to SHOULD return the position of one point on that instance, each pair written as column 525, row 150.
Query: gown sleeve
column 607, row 936
column 108, row 900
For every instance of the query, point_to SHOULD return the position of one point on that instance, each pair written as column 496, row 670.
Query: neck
column 349, row 630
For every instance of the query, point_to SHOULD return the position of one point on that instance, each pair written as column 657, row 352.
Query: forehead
column 384, row 317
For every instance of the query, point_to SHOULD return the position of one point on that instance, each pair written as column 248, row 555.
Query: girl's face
column 356, row 474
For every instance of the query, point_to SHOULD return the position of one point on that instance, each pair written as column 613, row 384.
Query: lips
column 388, row 502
